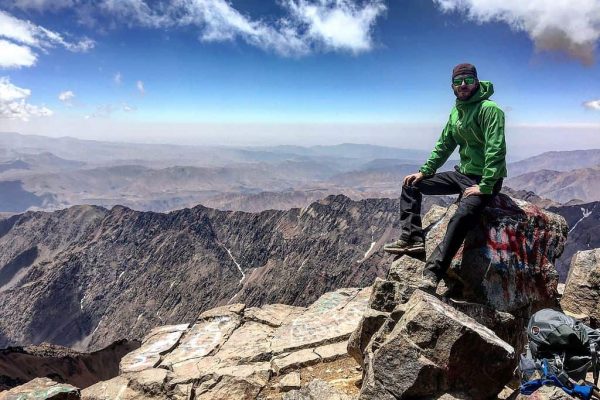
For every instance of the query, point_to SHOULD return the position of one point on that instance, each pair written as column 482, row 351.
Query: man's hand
column 412, row 179
column 473, row 190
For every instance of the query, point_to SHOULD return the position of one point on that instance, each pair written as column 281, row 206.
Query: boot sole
column 409, row 250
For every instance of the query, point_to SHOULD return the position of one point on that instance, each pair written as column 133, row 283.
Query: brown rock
column 332, row 352
column 330, row 319
column 290, row 381
column 317, row 390
column 248, row 343
column 149, row 354
column 42, row 389
column 432, row 350
column 221, row 311
column 298, row 359
column 203, row 338
column 272, row 314
column 582, row 290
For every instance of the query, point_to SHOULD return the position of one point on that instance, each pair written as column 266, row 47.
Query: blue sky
column 129, row 64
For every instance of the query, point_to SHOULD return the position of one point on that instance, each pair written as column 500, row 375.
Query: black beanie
column 464, row 69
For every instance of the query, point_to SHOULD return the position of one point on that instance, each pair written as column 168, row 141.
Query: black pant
column 464, row 219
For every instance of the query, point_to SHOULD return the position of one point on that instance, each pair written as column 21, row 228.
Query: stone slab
column 333, row 317
column 202, row 339
column 295, row 360
column 272, row 314
column 149, row 354
column 332, row 352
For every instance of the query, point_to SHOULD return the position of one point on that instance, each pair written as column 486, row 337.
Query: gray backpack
column 568, row 346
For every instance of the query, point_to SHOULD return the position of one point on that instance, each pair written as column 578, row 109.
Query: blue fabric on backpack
column 581, row 391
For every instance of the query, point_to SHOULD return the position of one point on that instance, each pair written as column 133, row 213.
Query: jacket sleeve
column 442, row 150
column 492, row 125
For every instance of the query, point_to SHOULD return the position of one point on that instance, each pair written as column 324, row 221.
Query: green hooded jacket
column 475, row 125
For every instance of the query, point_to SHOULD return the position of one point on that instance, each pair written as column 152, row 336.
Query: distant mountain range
column 65, row 276
column 581, row 184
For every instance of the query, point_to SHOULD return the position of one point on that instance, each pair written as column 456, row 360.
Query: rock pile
column 408, row 344
column 233, row 352
column 414, row 345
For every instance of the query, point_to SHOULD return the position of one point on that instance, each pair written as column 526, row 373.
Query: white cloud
column 118, row 78
column 41, row 5
column 305, row 27
column 15, row 56
column 592, row 104
column 13, row 103
column 66, row 97
column 18, row 36
column 337, row 24
column 128, row 108
column 572, row 27
column 140, row 87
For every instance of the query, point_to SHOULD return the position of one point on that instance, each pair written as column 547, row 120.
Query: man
column 476, row 126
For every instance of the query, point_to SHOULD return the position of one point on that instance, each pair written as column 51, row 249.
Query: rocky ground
column 387, row 341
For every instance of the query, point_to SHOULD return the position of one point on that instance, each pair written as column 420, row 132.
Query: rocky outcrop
column 428, row 348
column 64, row 276
column 234, row 352
column 42, row 389
column 502, row 273
column 507, row 261
column 582, row 290
column 19, row 365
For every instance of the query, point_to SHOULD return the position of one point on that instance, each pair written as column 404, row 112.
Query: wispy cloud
column 592, row 104
column 128, row 108
column 140, row 87
column 13, row 102
column 18, row 38
column 102, row 111
column 572, row 27
column 118, row 78
column 67, row 97
column 306, row 26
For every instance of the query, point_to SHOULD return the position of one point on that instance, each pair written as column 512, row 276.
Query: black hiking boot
column 404, row 246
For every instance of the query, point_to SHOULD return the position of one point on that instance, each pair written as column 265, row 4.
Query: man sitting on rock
column 476, row 126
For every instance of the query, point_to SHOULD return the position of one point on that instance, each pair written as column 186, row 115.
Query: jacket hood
column 486, row 89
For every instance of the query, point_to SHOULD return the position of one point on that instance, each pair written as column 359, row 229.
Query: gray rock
column 507, row 260
column 386, row 295
column 317, row 390
column 370, row 323
column 298, row 359
column 432, row 350
column 290, row 381
column 42, row 389
column 582, row 289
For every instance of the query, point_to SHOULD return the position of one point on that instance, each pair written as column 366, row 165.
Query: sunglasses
column 469, row 80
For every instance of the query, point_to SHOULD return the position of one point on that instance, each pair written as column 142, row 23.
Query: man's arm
column 492, row 124
column 441, row 151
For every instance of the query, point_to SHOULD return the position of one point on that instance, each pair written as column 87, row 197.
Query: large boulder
column 507, row 260
column 42, row 389
column 427, row 348
column 582, row 290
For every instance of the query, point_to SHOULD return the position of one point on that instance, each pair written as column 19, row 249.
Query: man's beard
column 467, row 95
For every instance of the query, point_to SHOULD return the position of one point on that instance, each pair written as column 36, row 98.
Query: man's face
column 464, row 90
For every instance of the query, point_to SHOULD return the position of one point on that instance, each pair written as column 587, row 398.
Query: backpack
column 563, row 350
